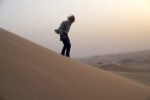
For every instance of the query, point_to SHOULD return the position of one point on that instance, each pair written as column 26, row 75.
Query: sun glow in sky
column 101, row 26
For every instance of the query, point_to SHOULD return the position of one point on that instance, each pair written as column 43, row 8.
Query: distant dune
column 31, row 72
column 134, row 65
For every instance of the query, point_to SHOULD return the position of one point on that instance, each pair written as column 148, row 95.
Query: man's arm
column 62, row 28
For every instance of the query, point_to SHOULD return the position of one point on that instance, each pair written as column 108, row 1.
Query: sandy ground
column 31, row 72
column 143, row 78
column 133, row 65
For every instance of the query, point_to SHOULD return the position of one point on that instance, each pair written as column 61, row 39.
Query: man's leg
column 64, row 47
column 68, row 48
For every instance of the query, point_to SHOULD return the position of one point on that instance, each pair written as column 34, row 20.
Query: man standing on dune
column 63, row 31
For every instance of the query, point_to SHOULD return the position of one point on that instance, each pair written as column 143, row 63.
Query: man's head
column 71, row 18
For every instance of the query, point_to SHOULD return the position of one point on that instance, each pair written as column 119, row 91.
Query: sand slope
column 133, row 65
column 31, row 72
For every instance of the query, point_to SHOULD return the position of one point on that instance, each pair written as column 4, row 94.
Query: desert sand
column 133, row 65
column 31, row 72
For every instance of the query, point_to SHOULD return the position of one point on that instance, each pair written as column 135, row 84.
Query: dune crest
column 31, row 72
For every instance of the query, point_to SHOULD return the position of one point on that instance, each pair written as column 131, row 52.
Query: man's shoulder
column 66, row 22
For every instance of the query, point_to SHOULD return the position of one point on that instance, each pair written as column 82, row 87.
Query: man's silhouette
column 63, row 30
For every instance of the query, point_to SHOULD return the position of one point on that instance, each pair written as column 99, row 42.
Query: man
column 63, row 30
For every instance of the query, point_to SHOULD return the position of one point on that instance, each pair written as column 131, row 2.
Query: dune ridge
column 31, row 72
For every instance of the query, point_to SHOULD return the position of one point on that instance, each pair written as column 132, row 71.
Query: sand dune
column 133, row 65
column 137, row 59
column 143, row 78
column 31, row 72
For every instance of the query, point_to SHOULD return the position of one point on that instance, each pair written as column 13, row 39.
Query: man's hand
column 57, row 31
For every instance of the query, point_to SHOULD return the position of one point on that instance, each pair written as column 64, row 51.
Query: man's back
column 65, row 26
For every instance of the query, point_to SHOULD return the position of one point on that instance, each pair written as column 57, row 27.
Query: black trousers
column 67, row 46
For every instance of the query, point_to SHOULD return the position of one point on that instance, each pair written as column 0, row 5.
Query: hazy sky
column 101, row 26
